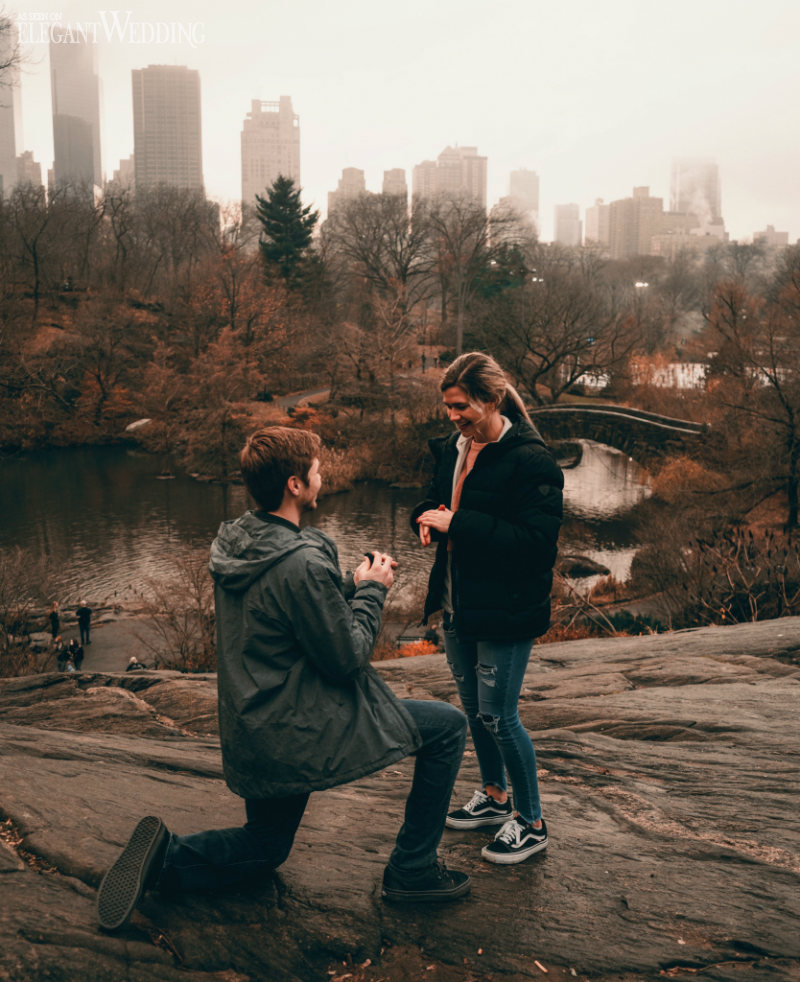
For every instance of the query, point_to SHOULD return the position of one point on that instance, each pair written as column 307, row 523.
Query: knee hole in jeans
column 488, row 674
column 492, row 723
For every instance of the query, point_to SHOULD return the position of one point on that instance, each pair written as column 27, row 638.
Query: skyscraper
column 29, row 171
column 125, row 175
column 596, row 223
column 633, row 222
column 462, row 170
column 270, row 146
column 351, row 185
column 523, row 189
column 458, row 170
column 10, row 118
column 394, row 182
column 75, row 89
column 694, row 188
column 423, row 180
column 771, row 239
column 568, row 225
column 167, row 146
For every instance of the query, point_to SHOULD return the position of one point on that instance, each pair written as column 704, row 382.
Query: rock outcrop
column 670, row 772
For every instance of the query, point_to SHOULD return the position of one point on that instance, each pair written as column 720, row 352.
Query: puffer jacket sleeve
column 439, row 491
column 334, row 634
column 528, row 534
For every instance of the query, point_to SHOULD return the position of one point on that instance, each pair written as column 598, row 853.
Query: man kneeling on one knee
column 300, row 707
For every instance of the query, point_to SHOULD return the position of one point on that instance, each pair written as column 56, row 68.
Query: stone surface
column 670, row 772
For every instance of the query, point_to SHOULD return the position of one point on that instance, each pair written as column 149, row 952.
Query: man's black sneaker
column 479, row 811
column 435, row 883
column 515, row 841
column 136, row 869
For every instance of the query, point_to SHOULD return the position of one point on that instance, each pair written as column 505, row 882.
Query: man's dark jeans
column 229, row 857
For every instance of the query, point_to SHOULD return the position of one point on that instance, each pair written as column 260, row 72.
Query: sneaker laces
column 509, row 833
column 477, row 799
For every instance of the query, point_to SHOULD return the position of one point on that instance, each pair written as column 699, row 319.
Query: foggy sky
column 595, row 97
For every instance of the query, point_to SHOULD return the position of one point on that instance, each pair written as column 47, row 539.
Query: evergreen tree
column 286, row 229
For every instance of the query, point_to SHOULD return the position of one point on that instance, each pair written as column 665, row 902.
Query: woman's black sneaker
column 435, row 883
column 479, row 811
column 515, row 841
column 136, row 869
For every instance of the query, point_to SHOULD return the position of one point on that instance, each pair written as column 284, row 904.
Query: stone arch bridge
column 647, row 437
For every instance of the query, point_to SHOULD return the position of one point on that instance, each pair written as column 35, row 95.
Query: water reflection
column 607, row 482
column 103, row 519
column 106, row 523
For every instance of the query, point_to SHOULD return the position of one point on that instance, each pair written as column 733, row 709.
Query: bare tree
column 176, row 230
column 163, row 399
column 9, row 51
column 222, row 376
column 375, row 238
column 118, row 236
column 31, row 219
column 464, row 241
column 755, row 373
column 379, row 253
column 744, row 262
column 180, row 609
column 25, row 585
column 560, row 327
column 108, row 350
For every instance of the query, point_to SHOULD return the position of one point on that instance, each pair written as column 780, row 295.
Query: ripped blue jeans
column 488, row 675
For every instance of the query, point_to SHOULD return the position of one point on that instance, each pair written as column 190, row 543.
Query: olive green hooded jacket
column 300, row 706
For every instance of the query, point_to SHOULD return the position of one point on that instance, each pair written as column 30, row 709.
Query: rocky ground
column 670, row 771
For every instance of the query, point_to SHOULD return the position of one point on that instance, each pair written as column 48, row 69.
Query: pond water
column 107, row 523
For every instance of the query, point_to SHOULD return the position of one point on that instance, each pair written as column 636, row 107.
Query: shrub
column 341, row 468
column 180, row 611
column 608, row 589
column 414, row 648
column 26, row 585
column 681, row 476
column 739, row 576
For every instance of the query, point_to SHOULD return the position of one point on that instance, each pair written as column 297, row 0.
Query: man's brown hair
column 271, row 456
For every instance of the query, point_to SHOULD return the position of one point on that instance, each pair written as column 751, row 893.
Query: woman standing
column 494, row 509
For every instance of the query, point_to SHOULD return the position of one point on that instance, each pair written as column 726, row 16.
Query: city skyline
column 595, row 101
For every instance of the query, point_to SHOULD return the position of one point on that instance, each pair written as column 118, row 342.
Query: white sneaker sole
column 508, row 858
column 477, row 823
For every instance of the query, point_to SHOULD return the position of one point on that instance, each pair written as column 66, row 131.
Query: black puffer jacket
column 504, row 535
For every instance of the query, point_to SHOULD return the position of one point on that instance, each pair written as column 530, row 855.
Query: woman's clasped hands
column 436, row 518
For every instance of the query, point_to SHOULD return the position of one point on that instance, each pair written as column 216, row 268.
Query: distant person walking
column 55, row 620
column 494, row 511
column 84, row 615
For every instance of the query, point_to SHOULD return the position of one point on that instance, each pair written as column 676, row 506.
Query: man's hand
column 381, row 569
column 438, row 518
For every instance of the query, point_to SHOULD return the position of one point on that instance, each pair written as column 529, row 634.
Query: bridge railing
column 612, row 410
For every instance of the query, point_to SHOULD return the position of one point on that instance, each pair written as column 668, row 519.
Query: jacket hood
column 246, row 547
